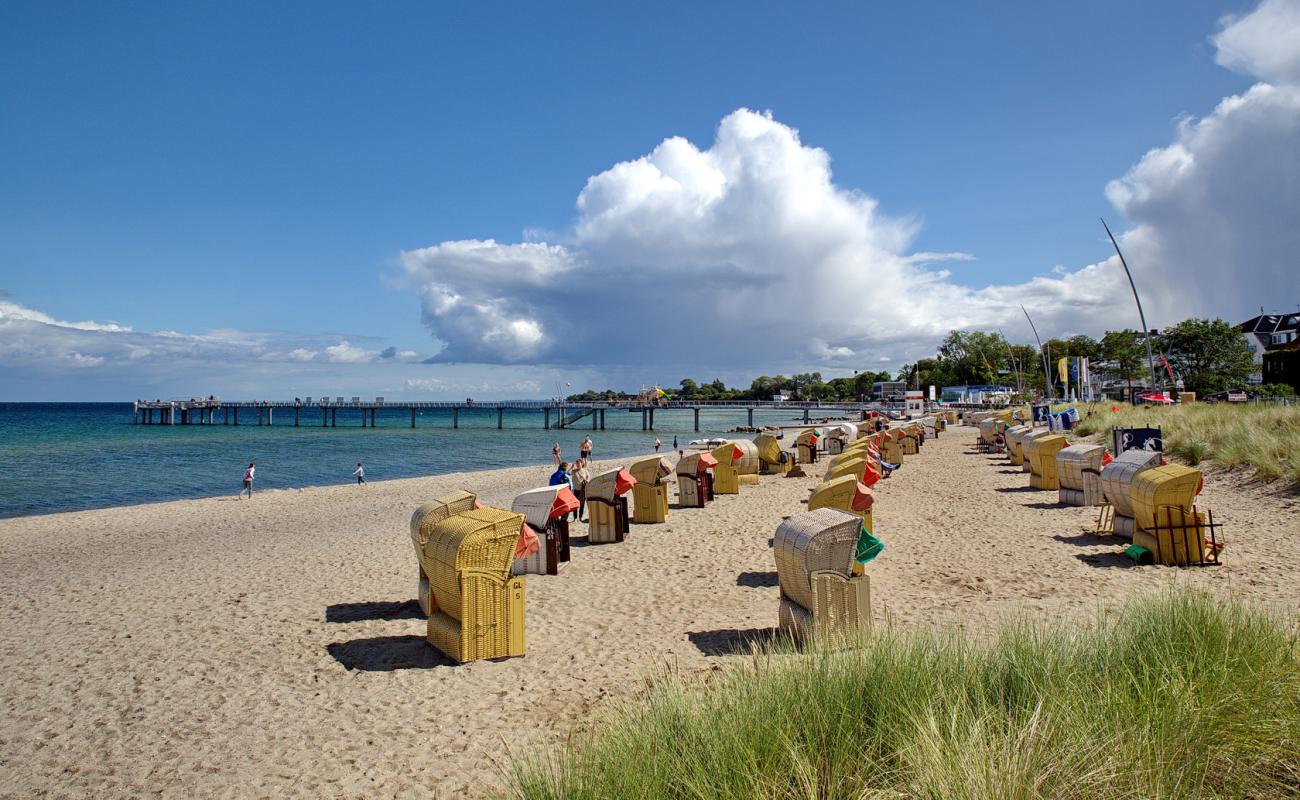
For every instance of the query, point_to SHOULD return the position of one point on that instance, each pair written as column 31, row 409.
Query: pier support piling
column 697, row 419
column 548, row 418
column 652, row 419
column 455, row 417
column 296, row 415
column 602, row 419
column 412, row 417
column 751, row 418
column 334, row 417
column 501, row 413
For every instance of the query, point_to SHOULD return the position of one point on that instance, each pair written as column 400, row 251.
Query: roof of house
column 1271, row 323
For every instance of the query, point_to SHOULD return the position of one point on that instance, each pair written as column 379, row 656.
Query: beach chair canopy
column 768, row 448
column 651, row 470
column 696, row 463
column 808, row 437
column 842, row 430
column 1168, row 485
column 1077, row 462
column 728, row 453
column 846, row 493
column 611, row 484
column 746, row 457
column 1117, row 477
column 479, row 540
column 1036, row 450
column 819, row 540
column 544, row 504
column 435, row 511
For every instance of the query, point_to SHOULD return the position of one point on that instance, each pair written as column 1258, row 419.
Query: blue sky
column 202, row 166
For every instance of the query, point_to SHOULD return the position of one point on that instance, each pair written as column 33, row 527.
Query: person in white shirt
column 248, row 480
column 360, row 472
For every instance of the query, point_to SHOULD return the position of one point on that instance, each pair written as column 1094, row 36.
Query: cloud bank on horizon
column 750, row 246
column 748, row 254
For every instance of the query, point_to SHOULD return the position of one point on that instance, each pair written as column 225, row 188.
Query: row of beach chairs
column 1143, row 500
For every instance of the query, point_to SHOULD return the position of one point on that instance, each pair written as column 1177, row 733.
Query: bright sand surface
column 223, row 648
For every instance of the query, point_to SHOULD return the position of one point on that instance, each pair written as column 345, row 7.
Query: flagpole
column 1047, row 373
column 1146, row 334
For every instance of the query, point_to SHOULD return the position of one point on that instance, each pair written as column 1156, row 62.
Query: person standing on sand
column 578, row 478
column 360, row 472
column 584, row 450
column 248, row 480
column 555, row 453
column 658, row 444
column 561, row 476
column 675, row 447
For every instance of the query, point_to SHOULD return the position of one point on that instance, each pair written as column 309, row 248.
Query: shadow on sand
column 375, row 610
column 388, row 653
column 757, row 580
column 1104, row 560
column 732, row 641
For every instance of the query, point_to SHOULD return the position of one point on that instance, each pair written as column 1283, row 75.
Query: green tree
column 1123, row 356
column 1209, row 355
column 689, row 388
column 974, row 357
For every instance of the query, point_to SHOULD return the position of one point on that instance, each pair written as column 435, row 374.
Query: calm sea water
column 70, row 456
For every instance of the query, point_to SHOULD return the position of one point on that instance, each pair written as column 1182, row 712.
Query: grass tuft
column 1176, row 696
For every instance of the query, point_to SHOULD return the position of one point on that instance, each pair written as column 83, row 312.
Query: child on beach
column 248, row 480
column 658, row 444
column 360, row 472
column 584, row 450
column 555, row 453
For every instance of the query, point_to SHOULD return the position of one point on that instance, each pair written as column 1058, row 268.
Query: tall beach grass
column 1265, row 438
column 1176, row 696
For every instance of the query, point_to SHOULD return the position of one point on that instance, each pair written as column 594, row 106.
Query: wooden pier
column 566, row 415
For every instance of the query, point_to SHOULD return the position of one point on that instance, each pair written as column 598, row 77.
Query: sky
column 511, row 200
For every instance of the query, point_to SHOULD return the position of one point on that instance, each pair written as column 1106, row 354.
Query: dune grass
column 1176, row 696
column 1265, row 438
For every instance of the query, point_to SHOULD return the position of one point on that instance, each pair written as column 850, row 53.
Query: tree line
column 1209, row 356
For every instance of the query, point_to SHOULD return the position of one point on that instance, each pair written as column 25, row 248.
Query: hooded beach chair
column 1167, row 523
column 1116, row 486
column 1041, row 454
column 864, row 469
column 815, row 556
column 607, row 506
column 650, row 494
column 910, row 443
column 1025, row 441
column 726, row 473
column 1078, row 471
column 476, row 606
column 546, row 510
column 806, row 445
column 772, row 460
column 890, row 450
column 1015, row 436
column 746, row 464
column 694, row 481
column 839, row 435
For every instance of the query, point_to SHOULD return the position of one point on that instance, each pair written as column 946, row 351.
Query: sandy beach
column 272, row 648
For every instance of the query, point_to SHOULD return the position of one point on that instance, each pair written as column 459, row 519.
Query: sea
column 74, row 456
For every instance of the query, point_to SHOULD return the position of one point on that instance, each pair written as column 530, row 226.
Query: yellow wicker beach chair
column 422, row 523
column 839, row 435
column 1015, row 436
column 650, row 495
column 820, row 595
column 1025, row 441
column 806, row 445
column 478, row 608
column 1041, row 453
column 890, row 450
column 910, row 444
column 1117, row 485
column 771, row 459
column 726, row 474
column 846, row 493
column 694, row 481
column 1168, row 523
column 546, row 510
column 1078, row 470
column 747, row 463
column 607, row 506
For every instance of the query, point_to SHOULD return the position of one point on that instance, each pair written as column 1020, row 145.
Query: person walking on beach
column 555, row 453
column 248, row 480
column 584, row 450
column 675, row 447
column 578, row 478
column 658, row 444
column 360, row 472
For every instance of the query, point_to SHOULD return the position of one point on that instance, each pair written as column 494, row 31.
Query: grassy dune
column 1177, row 696
column 1264, row 438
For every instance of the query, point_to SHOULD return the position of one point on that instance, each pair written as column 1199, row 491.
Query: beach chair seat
column 607, row 512
column 546, row 510
column 1041, row 453
column 650, row 494
column 1078, row 471
column 477, row 607
column 806, row 445
column 819, row 594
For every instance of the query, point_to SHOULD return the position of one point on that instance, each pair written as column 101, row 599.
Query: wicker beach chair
column 890, row 450
column 422, row 522
column 477, row 607
column 546, row 510
column 1116, row 486
column 1078, row 471
column 607, row 506
column 650, row 494
column 814, row 552
column 1025, row 441
column 847, row 494
column 1015, row 436
column 839, row 435
column 694, row 481
column 726, row 473
column 747, row 463
column 806, row 445
column 910, row 443
column 1041, row 454
column 772, row 460
column 863, row 469
column 1167, row 523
